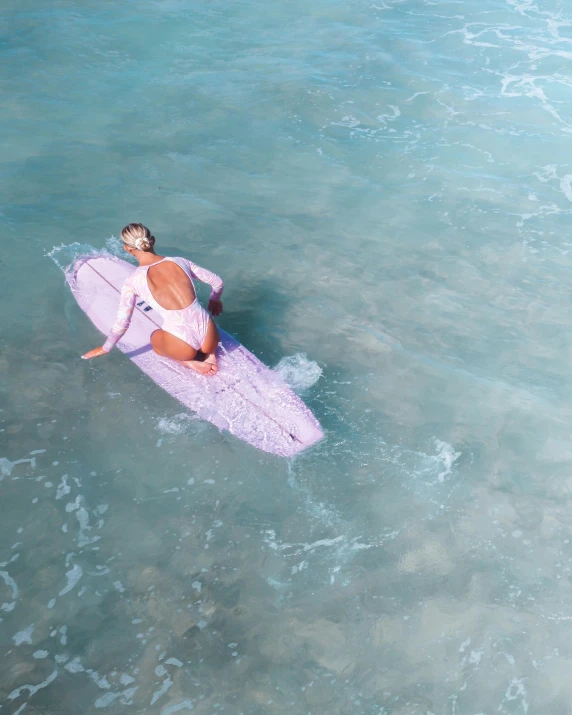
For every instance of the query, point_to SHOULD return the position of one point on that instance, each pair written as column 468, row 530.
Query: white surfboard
column 245, row 397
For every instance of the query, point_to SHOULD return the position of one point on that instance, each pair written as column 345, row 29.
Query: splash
column 114, row 246
column 66, row 254
column 448, row 456
column 298, row 371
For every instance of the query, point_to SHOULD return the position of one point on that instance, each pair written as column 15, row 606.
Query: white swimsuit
column 189, row 324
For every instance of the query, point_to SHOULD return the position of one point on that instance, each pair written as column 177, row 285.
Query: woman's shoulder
column 132, row 279
column 179, row 260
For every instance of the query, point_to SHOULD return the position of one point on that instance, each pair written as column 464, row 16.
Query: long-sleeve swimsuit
column 189, row 324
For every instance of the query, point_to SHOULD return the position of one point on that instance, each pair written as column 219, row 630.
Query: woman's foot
column 208, row 366
column 211, row 360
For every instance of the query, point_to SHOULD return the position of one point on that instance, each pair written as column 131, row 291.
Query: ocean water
column 386, row 189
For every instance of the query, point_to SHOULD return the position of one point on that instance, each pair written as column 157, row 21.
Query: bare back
column 170, row 286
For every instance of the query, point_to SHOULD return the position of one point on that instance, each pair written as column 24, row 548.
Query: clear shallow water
column 384, row 187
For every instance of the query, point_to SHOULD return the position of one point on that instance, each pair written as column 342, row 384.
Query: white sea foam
column 33, row 689
column 114, row 245
column 73, row 576
column 517, row 691
column 167, row 683
column 7, row 467
column 64, row 255
column 100, row 680
column 9, row 581
column 339, row 551
column 105, row 700
column 447, row 456
column 63, row 488
column 566, row 186
column 178, row 424
column 24, row 636
column 84, row 527
column 75, row 666
column 298, row 371
column 174, row 661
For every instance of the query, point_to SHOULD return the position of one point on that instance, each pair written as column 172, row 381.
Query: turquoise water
column 386, row 190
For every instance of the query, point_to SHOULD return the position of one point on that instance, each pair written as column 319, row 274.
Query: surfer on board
column 189, row 335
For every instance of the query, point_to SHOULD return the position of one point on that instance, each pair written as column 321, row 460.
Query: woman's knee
column 212, row 338
column 157, row 341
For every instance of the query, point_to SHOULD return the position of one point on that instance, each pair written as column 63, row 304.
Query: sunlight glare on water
column 384, row 187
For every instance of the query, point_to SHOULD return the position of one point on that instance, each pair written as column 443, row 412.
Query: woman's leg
column 169, row 346
column 209, row 346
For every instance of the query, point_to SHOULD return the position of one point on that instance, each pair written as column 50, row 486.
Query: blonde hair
column 137, row 236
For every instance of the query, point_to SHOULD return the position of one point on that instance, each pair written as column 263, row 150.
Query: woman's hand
column 215, row 306
column 94, row 353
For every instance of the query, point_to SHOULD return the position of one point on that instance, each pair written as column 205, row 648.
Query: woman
column 166, row 284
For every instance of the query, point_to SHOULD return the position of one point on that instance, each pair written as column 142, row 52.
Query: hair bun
column 142, row 244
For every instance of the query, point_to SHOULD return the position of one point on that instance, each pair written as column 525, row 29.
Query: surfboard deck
column 245, row 397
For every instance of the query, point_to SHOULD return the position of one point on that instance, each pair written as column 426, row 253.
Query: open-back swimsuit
column 189, row 324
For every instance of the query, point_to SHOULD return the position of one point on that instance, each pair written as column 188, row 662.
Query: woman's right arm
column 122, row 321
column 215, row 282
